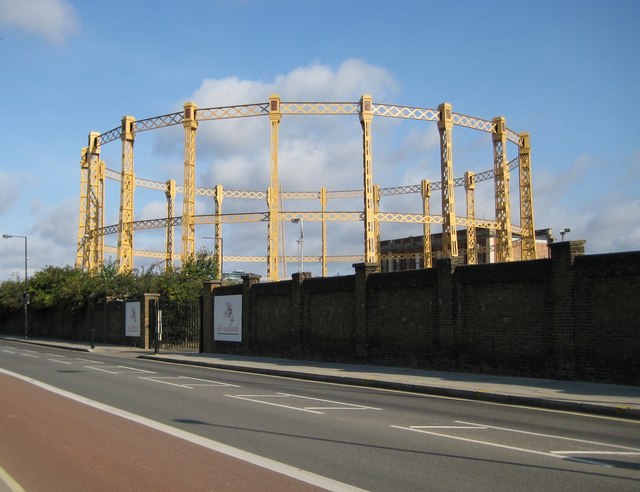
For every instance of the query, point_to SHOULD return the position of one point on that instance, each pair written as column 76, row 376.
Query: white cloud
column 59, row 225
column 9, row 191
column 54, row 20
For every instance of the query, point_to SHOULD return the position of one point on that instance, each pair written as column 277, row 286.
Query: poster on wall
column 227, row 318
column 132, row 319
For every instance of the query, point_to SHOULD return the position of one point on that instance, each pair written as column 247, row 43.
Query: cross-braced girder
column 93, row 173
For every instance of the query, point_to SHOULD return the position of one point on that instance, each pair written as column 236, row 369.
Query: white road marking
column 343, row 406
column 502, row 446
column 596, row 443
column 565, row 455
column 76, row 361
column 120, row 370
column 623, row 453
column 187, row 382
column 472, row 427
column 261, row 461
column 30, row 355
column 9, row 482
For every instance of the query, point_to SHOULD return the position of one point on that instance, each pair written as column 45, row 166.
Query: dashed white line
column 595, row 443
column 316, row 410
column 187, row 382
column 623, row 453
column 120, row 370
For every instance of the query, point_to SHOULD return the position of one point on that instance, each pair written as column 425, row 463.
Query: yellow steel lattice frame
column 127, row 189
column 470, row 188
column 449, row 234
column 218, row 197
column 323, row 208
column 526, row 200
column 82, row 218
column 504, row 247
column 170, row 194
column 370, row 246
column 190, row 125
column 273, row 194
column 426, row 228
column 95, row 196
column 91, row 227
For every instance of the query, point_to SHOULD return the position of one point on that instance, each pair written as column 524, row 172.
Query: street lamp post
column 301, row 245
column 25, row 295
column 219, row 241
column 564, row 231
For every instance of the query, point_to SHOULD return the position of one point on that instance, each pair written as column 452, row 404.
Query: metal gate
column 181, row 324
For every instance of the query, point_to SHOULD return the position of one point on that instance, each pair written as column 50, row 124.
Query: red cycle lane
column 51, row 443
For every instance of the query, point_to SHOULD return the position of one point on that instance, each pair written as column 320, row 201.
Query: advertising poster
column 132, row 319
column 227, row 318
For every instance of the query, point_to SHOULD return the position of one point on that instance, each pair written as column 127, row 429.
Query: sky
column 565, row 72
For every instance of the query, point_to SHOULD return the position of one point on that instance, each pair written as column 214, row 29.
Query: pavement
column 577, row 396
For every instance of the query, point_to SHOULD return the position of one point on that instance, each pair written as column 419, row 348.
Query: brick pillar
column 207, row 315
column 147, row 332
column 562, row 307
column 444, row 329
column 248, row 323
column 361, row 348
column 299, row 329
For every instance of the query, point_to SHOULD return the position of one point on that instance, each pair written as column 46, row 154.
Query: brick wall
column 569, row 316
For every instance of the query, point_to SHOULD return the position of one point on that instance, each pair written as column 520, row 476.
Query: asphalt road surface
column 176, row 420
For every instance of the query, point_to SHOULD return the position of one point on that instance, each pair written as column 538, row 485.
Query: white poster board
column 132, row 321
column 227, row 318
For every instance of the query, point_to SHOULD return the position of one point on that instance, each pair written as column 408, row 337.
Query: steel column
column 127, row 188
column 171, row 197
column 273, row 194
column 528, row 239
column 190, row 125
column 366, row 116
column 427, row 261
column 449, row 234
column 94, row 186
column 82, row 219
column 323, row 207
column 470, row 189
column 219, row 195
column 504, row 246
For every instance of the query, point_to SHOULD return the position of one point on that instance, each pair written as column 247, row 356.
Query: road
column 367, row 438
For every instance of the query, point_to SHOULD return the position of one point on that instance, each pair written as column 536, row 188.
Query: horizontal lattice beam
column 225, row 112
column 340, row 108
column 406, row 112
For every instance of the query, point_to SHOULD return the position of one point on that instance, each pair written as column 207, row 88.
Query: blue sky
column 566, row 72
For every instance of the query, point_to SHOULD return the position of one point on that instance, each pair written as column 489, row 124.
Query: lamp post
column 219, row 242
column 564, row 231
column 300, row 245
column 25, row 295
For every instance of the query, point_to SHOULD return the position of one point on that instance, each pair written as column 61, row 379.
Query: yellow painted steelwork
column 190, row 124
column 470, row 188
column 127, row 189
column 273, row 193
column 449, row 234
column 170, row 194
column 82, row 218
column 95, row 185
column 370, row 246
column 526, row 200
column 426, row 228
column 323, row 208
column 91, row 228
column 218, row 197
column 502, row 193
